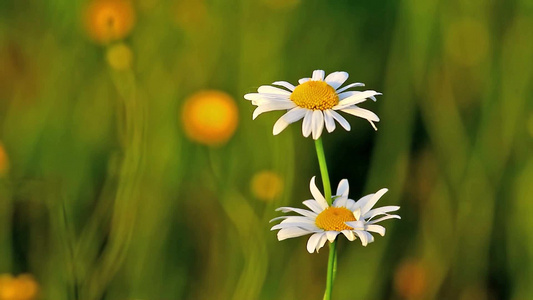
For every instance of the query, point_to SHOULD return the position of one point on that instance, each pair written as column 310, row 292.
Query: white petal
column 299, row 220
column 340, row 201
column 284, row 84
column 317, row 195
column 341, row 120
column 304, row 226
column 376, row 228
column 349, row 235
column 362, row 113
column 292, row 232
column 331, row 235
column 313, row 205
column 318, row 75
column 336, row 79
column 356, row 225
column 372, row 201
column 300, row 211
column 258, row 98
column 313, row 241
column 384, row 218
column 350, row 204
column 343, row 188
column 364, row 236
column 351, row 85
column 357, row 214
column 267, row 89
column 289, row 117
column 321, row 243
column 328, row 119
column 278, row 105
column 354, row 97
column 303, row 80
column 306, row 124
column 380, row 211
column 363, row 200
column 317, row 123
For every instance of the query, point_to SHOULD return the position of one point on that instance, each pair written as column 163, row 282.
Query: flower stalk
column 332, row 259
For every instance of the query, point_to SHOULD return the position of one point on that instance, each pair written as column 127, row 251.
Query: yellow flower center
column 315, row 95
column 333, row 218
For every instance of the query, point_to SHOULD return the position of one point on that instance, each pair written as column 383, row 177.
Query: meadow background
column 108, row 192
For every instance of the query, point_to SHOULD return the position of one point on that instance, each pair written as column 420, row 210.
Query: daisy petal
column 308, row 227
column 362, row 113
column 284, row 84
column 340, row 201
column 343, row 188
column 328, row 119
column 298, row 219
column 380, row 211
column 350, row 204
column 331, row 235
column 292, row 232
column 351, row 85
column 356, row 225
column 267, row 89
column 300, row 211
column 336, row 79
column 317, row 195
column 321, row 243
column 289, row 117
column 384, row 218
column 262, row 98
column 313, row 205
column 364, row 236
column 363, row 200
column 372, row 201
column 376, row 228
column 354, row 97
column 313, row 242
column 278, row 105
column 317, row 123
column 318, row 75
column 307, row 122
column 303, row 80
column 349, row 235
column 341, row 120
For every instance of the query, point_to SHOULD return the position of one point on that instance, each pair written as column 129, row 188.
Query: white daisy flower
column 316, row 100
column 354, row 219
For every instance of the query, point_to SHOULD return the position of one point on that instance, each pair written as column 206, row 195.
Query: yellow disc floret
column 334, row 218
column 315, row 95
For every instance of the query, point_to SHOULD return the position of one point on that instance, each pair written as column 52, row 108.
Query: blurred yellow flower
column 4, row 161
column 109, row 20
column 119, row 57
column 410, row 279
column 23, row 287
column 210, row 117
column 266, row 185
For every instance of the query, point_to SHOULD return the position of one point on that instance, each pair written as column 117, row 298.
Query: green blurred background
column 105, row 195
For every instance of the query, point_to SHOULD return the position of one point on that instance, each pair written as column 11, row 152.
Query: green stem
column 323, row 169
column 332, row 269
column 332, row 260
